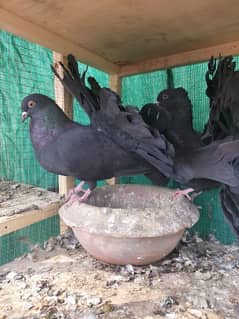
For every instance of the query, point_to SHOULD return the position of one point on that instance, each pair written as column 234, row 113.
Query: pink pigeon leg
column 76, row 197
column 75, row 190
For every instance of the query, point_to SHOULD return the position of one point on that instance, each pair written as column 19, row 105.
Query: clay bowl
column 130, row 224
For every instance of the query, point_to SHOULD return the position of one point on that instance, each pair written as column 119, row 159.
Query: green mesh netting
column 13, row 245
column 25, row 69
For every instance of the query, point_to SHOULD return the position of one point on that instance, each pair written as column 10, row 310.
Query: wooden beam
column 179, row 59
column 34, row 33
column 16, row 222
column 64, row 100
column 115, row 85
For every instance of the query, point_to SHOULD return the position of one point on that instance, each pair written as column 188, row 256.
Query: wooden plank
column 33, row 32
column 179, row 59
column 16, row 222
column 122, row 32
column 115, row 85
column 64, row 100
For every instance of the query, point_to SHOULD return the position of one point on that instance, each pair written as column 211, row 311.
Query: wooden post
column 115, row 85
column 64, row 100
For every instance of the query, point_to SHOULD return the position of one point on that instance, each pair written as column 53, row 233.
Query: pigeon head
column 178, row 105
column 47, row 119
column 169, row 96
column 175, row 101
column 156, row 116
column 33, row 104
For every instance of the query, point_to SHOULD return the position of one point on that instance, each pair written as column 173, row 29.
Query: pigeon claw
column 184, row 192
column 74, row 196
column 75, row 190
column 78, row 198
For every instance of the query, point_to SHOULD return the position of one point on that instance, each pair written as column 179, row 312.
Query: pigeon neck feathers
column 180, row 129
column 47, row 124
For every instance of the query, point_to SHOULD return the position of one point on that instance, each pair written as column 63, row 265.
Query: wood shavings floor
column 198, row 280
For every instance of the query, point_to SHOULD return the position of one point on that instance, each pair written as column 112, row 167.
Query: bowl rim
column 99, row 225
column 114, row 235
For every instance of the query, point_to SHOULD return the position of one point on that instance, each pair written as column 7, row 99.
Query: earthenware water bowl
column 130, row 224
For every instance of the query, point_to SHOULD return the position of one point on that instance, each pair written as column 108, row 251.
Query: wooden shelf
column 16, row 222
column 128, row 37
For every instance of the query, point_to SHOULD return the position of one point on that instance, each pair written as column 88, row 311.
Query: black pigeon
column 156, row 117
column 173, row 114
column 187, row 141
column 223, row 101
column 222, row 89
column 110, row 146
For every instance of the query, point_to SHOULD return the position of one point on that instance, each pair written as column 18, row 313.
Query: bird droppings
column 199, row 280
column 18, row 198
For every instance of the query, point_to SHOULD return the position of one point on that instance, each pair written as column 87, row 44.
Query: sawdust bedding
column 199, row 279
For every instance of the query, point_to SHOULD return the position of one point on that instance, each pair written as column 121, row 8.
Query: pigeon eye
column 165, row 96
column 31, row 104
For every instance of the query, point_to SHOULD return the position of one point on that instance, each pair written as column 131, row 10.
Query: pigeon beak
column 24, row 116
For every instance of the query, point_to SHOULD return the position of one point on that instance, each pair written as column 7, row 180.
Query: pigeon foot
column 74, row 196
column 184, row 192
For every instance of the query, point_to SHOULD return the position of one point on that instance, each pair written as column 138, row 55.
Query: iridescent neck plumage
column 46, row 126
